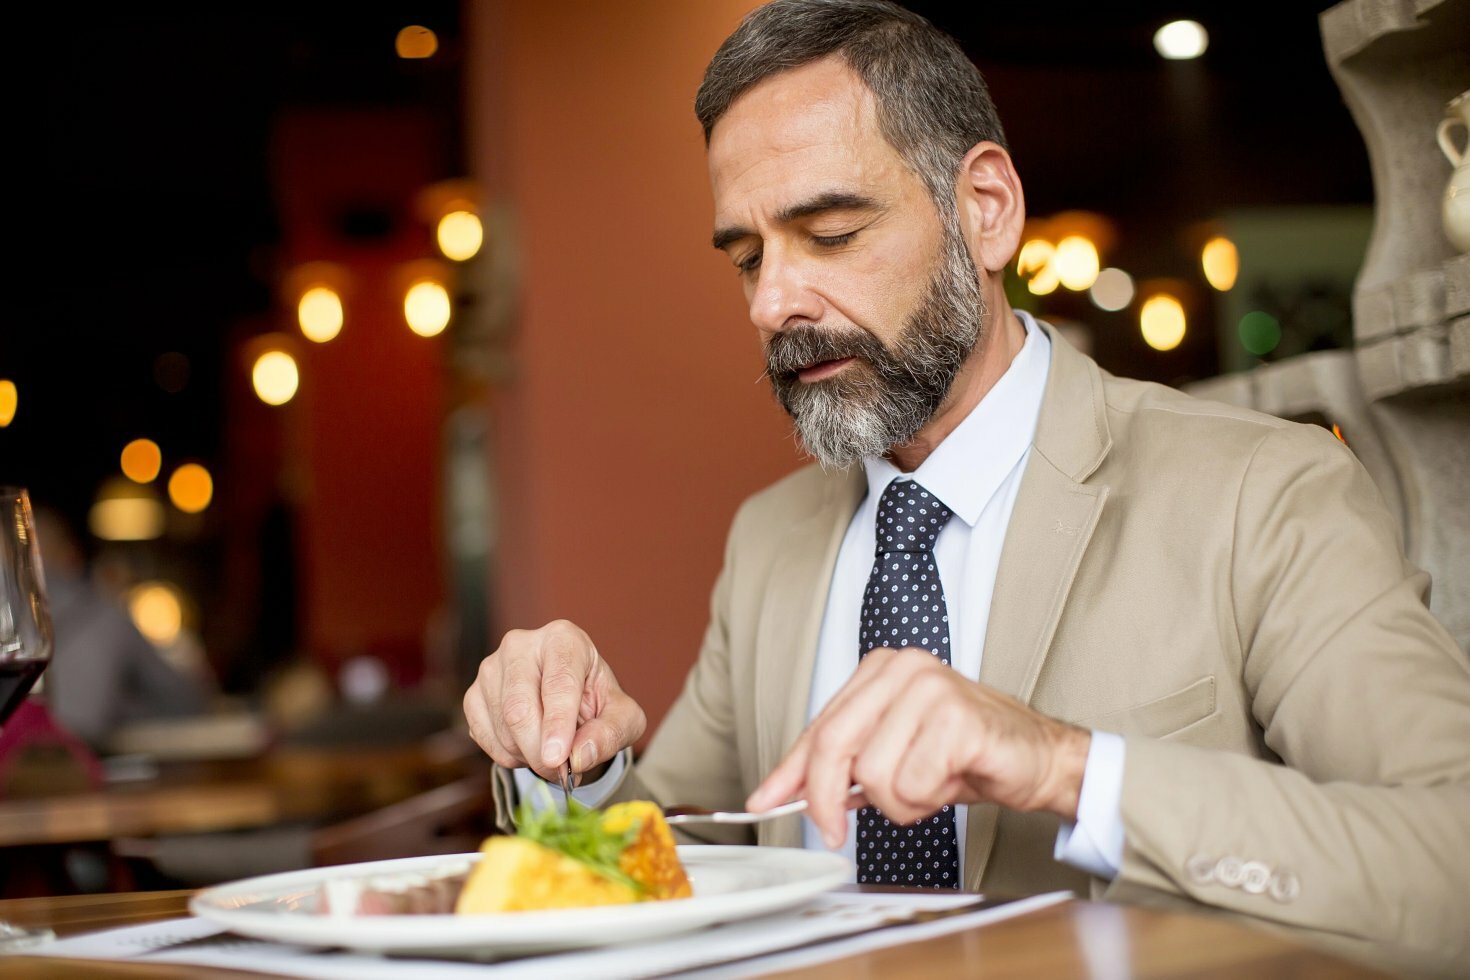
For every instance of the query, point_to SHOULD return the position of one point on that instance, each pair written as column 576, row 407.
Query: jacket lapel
column 790, row 624
column 1053, row 521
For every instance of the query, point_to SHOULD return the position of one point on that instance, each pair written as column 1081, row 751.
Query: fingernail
column 586, row 756
column 553, row 752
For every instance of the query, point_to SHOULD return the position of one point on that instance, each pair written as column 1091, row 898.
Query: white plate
column 729, row 883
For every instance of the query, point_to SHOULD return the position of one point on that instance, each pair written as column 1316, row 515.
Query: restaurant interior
column 351, row 336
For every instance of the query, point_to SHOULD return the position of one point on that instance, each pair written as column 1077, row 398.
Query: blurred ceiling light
column 1181, row 40
column 141, row 460
column 1045, row 281
column 426, row 308
column 9, row 399
column 1076, row 262
column 157, row 609
column 1162, row 321
column 191, row 488
column 275, row 377
column 319, row 312
column 1035, row 263
column 1034, row 256
column 1113, row 290
column 1259, row 332
column 125, row 511
column 460, row 235
column 1221, row 263
column 415, row 41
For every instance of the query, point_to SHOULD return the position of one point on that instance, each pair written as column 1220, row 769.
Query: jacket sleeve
column 1364, row 830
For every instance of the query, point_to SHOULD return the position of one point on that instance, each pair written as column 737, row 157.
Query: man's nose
column 782, row 295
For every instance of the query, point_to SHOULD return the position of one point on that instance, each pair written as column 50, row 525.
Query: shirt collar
column 966, row 469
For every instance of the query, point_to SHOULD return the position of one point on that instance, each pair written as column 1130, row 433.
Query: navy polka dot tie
column 904, row 607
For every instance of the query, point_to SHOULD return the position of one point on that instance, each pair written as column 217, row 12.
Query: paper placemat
column 830, row 927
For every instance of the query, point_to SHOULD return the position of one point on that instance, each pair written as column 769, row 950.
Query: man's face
column 866, row 303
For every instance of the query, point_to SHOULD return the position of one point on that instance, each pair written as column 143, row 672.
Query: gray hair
column 932, row 103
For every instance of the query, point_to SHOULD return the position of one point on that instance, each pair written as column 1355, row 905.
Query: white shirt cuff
column 1095, row 842
column 589, row 795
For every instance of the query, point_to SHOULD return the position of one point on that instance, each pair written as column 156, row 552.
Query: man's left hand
column 916, row 735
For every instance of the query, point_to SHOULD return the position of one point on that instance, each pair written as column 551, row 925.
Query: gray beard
column 886, row 395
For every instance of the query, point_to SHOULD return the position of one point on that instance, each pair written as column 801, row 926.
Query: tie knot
column 909, row 518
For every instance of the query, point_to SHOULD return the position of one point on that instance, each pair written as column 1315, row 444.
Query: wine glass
column 25, row 624
column 25, row 637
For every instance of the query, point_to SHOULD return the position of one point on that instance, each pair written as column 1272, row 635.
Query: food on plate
column 619, row 856
column 433, row 893
column 557, row 861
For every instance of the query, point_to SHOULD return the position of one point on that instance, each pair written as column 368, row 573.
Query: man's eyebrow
column 826, row 201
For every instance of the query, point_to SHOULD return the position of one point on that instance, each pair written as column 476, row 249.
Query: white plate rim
column 819, row 871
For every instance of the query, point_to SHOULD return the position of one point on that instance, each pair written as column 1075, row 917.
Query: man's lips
column 822, row 369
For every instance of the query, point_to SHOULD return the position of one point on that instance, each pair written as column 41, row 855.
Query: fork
column 678, row 815
column 566, row 785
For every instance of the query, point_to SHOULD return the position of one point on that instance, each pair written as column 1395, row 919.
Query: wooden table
column 1077, row 939
column 282, row 785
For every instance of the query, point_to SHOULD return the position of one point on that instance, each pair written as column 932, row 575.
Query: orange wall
column 634, row 423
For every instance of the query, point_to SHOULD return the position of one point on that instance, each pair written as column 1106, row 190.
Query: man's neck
column 985, row 366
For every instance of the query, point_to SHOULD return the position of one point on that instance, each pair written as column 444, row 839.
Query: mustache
column 800, row 347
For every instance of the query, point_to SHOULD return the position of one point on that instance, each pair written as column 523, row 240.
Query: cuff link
column 1251, row 877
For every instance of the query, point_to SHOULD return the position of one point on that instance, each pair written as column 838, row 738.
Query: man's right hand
column 544, row 696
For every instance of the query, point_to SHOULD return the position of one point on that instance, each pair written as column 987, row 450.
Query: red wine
column 16, row 678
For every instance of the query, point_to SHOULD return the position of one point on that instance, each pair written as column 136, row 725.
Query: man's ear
column 992, row 207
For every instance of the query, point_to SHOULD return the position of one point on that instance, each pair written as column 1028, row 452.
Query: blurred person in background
column 104, row 674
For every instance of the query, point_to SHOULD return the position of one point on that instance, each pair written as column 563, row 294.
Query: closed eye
column 834, row 241
column 749, row 264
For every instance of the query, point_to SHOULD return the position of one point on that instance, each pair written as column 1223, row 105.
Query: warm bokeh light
column 9, row 401
column 1162, row 321
column 1044, row 282
column 415, row 41
column 1113, row 290
column 1181, row 40
column 141, row 460
column 157, row 609
column 191, row 488
column 275, row 377
column 1221, row 263
column 1260, row 332
column 426, row 308
column 460, row 235
column 319, row 312
column 1034, row 261
column 125, row 511
column 1076, row 262
column 1034, row 256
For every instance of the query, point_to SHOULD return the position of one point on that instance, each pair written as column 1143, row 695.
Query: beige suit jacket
column 1223, row 588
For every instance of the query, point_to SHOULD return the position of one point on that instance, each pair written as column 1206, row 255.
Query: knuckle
column 517, row 711
column 489, row 669
column 560, row 681
column 828, row 740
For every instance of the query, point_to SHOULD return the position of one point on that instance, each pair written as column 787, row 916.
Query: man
column 1113, row 639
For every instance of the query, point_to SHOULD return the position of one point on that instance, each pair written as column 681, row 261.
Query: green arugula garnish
column 579, row 835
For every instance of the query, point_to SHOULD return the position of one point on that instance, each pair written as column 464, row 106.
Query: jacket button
column 1201, row 869
column 1284, row 886
column 1255, row 877
column 1230, row 871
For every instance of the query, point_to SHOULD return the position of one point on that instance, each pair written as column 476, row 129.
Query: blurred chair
column 451, row 819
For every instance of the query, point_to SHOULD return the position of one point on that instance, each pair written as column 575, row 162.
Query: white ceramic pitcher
column 1456, row 212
